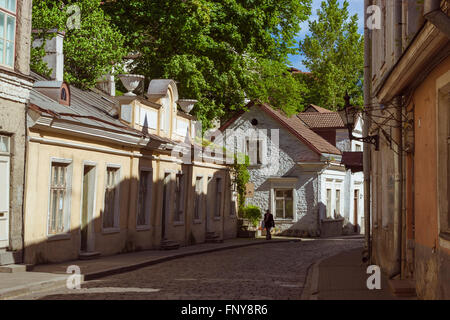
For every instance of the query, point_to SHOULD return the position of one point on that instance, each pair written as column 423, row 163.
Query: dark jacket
column 268, row 220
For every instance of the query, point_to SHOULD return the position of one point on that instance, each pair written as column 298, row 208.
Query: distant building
column 296, row 169
column 407, row 83
column 15, row 85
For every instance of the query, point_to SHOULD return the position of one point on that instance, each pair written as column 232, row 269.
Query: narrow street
column 270, row 271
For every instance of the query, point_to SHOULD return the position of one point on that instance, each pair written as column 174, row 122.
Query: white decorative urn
column 187, row 104
column 130, row 82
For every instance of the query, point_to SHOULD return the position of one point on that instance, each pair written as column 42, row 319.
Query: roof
column 318, row 120
column 88, row 108
column 295, row 126
column 314, row 108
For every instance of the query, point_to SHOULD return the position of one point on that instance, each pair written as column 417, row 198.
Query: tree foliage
column 216, row 50
column 334, row 53
column 90, row 51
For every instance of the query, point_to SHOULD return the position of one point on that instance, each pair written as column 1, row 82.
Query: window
column 4, row 144
column 328, row 203
column 284, row 204
column 179, row 198
column 219, row 189
column 337, row 211
column 111, row 205
column 358, row 148
column 7, row 32
column 198, row 198
column 145, row 196
column 254, row 150
column 59, row 209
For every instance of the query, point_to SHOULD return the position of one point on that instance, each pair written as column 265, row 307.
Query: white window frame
column 67, row 202
column 149, row 201
column 4, row 37
column 116, row 227
column 284, row 202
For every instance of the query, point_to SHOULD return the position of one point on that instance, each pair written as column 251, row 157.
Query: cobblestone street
column 271, row 271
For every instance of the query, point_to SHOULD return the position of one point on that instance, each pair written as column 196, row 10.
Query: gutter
column 434, row 14
column 365, row 129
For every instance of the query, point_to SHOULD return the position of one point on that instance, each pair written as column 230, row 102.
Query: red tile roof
column 301, row 131
column 317, row 120
column 314, row 108
column 294, row 125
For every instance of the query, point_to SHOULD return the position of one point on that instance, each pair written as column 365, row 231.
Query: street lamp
column 348, row 115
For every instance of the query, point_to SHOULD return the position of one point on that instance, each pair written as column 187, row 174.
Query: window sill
column 283, row 220
column 142, row 228
column 111, row 230
column 178, row 223
column 217, row 218
column 198, row 221
column 56, row 237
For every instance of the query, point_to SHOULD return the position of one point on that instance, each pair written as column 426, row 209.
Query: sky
column 355, row 7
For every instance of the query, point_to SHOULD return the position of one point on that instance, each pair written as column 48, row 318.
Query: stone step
column 9, row 257
column 169, row 245
column 403, row 288
column 13, row 268
column 88, row 255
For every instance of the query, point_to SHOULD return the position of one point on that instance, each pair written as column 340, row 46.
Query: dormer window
column 7, row 32
column 56, row 90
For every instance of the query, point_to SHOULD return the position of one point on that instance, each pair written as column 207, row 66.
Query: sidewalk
column 43, row 277
column 343, row 277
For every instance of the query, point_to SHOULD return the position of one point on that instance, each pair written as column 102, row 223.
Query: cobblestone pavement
column 271, row 271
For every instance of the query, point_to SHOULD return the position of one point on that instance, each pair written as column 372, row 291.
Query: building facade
column 15, row 85
column 295, row 169
column 407, row 88
column 102, row 176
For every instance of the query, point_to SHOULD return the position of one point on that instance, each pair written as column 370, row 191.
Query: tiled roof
column 301, row 131
column 314, row 108
column 318, row 120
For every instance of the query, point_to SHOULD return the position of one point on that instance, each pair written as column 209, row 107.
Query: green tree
column 90, row 51
column 334, row 53
column 216, row 50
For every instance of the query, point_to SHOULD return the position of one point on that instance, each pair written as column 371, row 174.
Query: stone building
column 407, row 88
column 295, row 168
column 102, row 177
column 15, row 85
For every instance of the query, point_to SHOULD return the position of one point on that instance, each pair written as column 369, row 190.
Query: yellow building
column 101, row 177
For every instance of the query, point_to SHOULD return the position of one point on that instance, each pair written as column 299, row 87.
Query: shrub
column 253, row 214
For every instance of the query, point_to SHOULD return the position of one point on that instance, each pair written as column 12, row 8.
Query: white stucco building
column 296, row 169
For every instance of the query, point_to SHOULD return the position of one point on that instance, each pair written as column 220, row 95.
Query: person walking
column 269, row 223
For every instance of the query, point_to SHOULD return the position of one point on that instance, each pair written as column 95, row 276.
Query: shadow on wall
column 109, row 218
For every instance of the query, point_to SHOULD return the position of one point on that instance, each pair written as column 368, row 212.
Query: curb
column 18, row 291
column 136, row 266
column 311, row 288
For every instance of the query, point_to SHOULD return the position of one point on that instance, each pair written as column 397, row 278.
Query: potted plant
column 252, row 214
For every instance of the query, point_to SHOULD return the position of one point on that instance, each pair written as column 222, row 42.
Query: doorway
column 355, row 210
column 4, row 191
column 87, row 209
column 165, row 207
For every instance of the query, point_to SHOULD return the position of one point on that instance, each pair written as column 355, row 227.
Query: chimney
column 107, row 85
column 54, row 54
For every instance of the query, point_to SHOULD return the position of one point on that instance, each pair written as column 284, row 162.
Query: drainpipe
column 433, row 13
column 367, row 148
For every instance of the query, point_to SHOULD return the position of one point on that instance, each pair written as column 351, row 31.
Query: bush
column 253, row 214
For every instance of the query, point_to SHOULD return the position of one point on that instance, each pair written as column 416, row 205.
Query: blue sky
column 356, row 7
